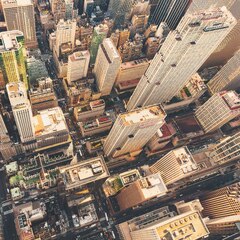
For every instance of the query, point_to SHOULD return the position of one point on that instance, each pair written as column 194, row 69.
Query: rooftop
column 79, row 55
column 232, row 99
column 134, row 63
column 18, row 2
column 143, row 114
column 85, row 172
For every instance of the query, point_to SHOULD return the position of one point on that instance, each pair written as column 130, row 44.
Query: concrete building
column 141, row 191
column 223, row 202
column 196, row 34
column 170, row 12
column 43, row 96
column 226, row 150
column 152, row 46
column 92, row 109
column 80, row 175
column 19, row 15
column 123, row 36
column 139, row 23
column 50, row 127
column 22, row 111
column 164, row 224
column 175, row 165
column 132, row 130
column 58, row 8
column 228, row 78
column 218, row 110
column 130, row 73
column 65, row 33
column 12, row 58
column 100, row 32
column 78, row 63
column 95, row 126
column 106, row 66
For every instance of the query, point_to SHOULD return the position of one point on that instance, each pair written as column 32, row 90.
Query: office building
column 78, row 63
column 100, row 32
column 120, row 11
column 90, row 110
column 19, row 15
column 65, row 33
column 228, row 149
column 176, row 61
column 169, row 11
column 139, row 23
column 22, row 111
column 152, row 45
column 81, row 174
column 223, row 202
column 12, row 57
column 141, row 191
column 228, row 78
column 131, row 131
column 88, row 7
column 43, row 96
column 164, row 224
column 218, row 110
column 175, row 165
column 70, row 12
column 58, row 8
column 106, row 66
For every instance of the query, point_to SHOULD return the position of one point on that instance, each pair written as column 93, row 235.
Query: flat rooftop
column 232, row 99
column 135, row 63
column 85, row 172
column 49, row 120
column 9, row 40
column 18, row 2
column 143, row 114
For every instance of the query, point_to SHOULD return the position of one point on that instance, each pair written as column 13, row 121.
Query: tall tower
column 132, row 130
column 22, row 111
column 107, row 65
column 218, row 110
column 100, row 32
column 169, row 11
column 12, row 59
column 175, row 63
column 19, row 15
column 119, row 9
column 228, row 78
column 78, row 65
column 65, row 32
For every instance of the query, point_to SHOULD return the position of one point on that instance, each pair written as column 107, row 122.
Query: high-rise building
column 65, row 33
column 131, row 131
column 228, row 78
column 175, row 63
column 218, row 110
column 169, row 11
column 223, row 202
column 12, row 57
column 22, row 111
column 58, row 8
column 123, row 36
column 106, row 66
column 175, row 165
column 100, row 32
column 164, row 224
column 78, row 63
column 120, row 11
column 69, row 14
column 141, row 191
column 19, row 15
column 228, row 149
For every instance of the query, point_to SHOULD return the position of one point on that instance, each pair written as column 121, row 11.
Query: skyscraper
column 65, row 33
column 119, row 10
column 181, row 55
column 78, row 65
column 19, row 15
column 132, row 130
column 106, row 66
column 169, row 11
column 218, row 110
column 22, row 111
column 12, row 59
column 100, row 32
column 228, row 78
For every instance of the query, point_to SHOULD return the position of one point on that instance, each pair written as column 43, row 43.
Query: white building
column 181, row 55
column 132, row 130
column 78, row 63
column 218, row 110
column 22, row 111
column 106, row 67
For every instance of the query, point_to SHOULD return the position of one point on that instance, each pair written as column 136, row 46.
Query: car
column 75, row 220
